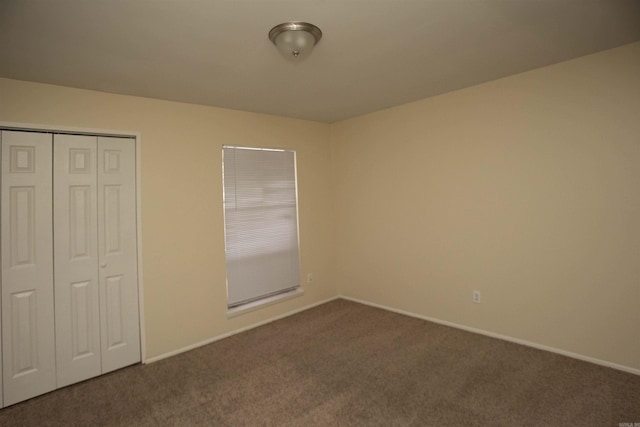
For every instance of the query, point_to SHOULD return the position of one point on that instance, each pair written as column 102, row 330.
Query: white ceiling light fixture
column 295, row 39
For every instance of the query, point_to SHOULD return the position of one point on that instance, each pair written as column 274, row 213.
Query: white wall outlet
column 476, row 297
column 309, row 277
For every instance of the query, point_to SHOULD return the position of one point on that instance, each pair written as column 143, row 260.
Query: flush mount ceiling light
column 295, row 39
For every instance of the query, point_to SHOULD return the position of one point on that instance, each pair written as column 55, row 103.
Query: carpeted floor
column 343, row 364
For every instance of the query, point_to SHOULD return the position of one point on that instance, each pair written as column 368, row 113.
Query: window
column 260, row 223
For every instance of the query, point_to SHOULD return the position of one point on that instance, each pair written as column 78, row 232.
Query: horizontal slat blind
column 261, row 223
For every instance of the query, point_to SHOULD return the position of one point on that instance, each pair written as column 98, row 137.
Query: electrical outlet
column 309, row 277
column 476, row 297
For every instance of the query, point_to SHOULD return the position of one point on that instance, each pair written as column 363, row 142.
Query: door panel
column 28, row 347
column 76, row 258
column 120, row 324
column 115, row 313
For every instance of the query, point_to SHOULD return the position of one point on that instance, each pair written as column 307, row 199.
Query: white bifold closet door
column 28, row 346
column 69, row 260
column 117, row 251
column 96, row 291
column 77, row 289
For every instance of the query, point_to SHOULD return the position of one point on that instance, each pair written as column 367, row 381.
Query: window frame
column 260, row 300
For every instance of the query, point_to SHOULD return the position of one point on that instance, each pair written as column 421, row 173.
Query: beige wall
column 183, row 243
column 526, row 188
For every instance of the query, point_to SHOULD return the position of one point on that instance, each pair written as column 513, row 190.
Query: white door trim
column 138, row 142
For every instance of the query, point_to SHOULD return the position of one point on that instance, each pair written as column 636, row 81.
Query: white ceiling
column 374, row 53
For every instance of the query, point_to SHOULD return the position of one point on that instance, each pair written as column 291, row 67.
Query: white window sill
column 256, row 305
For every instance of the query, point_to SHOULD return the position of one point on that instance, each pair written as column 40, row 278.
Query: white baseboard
column 406, row 313
column 501, row 337
column 236, row 331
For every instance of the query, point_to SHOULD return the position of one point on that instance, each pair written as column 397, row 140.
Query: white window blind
column 261, row 223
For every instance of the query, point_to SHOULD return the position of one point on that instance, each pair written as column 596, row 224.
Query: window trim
column 264, row 302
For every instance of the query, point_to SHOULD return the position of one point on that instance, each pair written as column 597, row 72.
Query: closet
column 69, row 260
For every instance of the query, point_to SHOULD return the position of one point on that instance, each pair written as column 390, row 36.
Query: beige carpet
column 343, row 364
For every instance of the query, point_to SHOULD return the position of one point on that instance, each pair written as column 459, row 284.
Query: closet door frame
column 137, row 140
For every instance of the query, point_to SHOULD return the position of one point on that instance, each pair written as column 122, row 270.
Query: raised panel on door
column 77, row 296
column 120, row 323
column 28, row 347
